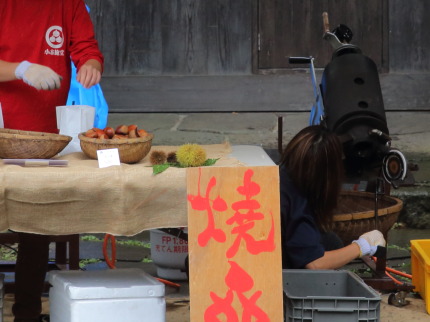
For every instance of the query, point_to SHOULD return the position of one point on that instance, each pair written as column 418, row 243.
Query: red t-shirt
column 49, row 33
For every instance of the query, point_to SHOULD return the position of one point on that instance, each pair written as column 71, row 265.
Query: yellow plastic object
column 420, row 263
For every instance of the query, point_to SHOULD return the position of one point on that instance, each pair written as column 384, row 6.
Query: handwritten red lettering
column 239, row 282
column 245, row 217
column 198, row 202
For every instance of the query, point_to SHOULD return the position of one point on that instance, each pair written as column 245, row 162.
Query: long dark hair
column 313, row 161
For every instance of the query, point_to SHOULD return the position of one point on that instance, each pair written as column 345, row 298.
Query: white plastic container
column 107, row 295
column 169, row 254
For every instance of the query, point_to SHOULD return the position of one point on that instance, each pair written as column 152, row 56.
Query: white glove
column 369, row 242
column 38, row 76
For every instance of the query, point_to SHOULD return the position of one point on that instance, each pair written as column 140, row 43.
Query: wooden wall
column 291, row 28
column 409, row 37
column 202, row 37
column 174, row 37
column 199, row 55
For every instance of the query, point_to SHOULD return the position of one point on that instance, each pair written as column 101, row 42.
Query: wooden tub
column 355, row 214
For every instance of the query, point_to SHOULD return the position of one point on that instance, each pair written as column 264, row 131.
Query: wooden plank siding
column 173, row 37
column 409, row 36
column 201, row 55
column 245, row 93
column 295, row 28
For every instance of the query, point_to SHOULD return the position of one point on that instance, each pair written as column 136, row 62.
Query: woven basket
column 17, row 144
column 130, row 150
column 355, row 214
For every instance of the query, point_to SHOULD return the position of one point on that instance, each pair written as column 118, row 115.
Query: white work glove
column 369, row 242
column 38, row 76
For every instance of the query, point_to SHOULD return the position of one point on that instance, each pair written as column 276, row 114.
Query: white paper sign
column 108, row 157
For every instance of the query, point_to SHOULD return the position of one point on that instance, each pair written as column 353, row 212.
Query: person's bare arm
column 7, row 71
column 336, row 258
column 367, row 244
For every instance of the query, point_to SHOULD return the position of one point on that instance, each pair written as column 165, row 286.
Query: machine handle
column 326, row 25
column 381, row 252
column 299, row 60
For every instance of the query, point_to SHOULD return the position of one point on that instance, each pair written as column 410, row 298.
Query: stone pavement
column 410, row 131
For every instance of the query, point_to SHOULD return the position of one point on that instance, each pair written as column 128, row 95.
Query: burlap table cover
column 83, row 198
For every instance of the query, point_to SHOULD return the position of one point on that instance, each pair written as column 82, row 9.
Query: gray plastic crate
column 328, row 295
column 1, row 295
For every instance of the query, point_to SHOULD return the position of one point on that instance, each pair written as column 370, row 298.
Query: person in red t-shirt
column 42, row 37
column 37, row 43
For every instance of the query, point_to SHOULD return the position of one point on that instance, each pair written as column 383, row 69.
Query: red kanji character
column 239, row 282
column 246, row 221
column 199, row 202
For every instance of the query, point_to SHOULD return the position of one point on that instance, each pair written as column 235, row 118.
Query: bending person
column 311, row 174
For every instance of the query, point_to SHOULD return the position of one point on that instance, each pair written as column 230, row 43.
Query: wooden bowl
column 17, row 144
column 130, row 150
column 355, row 214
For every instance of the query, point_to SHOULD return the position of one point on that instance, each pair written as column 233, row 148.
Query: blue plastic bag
column 93, row 96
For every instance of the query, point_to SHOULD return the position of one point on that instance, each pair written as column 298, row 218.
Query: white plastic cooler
column 107, row 295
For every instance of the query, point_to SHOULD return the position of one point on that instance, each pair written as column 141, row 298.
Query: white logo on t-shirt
column 54, row 36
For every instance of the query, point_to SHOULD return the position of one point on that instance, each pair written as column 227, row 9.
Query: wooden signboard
column 234, row 244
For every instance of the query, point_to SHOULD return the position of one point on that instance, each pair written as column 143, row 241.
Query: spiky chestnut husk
column 171, row 157
column 157, row 157
column 191, row 155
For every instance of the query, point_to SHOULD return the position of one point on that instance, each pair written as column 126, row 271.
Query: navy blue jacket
column 301, row 237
